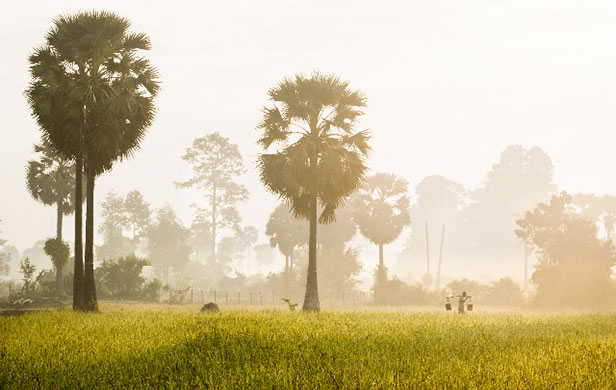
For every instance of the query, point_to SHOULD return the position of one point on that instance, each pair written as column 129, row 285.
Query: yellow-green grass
column 137, row 346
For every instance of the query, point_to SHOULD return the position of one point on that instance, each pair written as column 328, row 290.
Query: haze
column 449, row 84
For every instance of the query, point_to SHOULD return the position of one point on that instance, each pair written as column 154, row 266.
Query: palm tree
column 320, row 160
column 51, row 181
column 92, row 96
column 382, row 211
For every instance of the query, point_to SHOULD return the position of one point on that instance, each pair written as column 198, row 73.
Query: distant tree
column 5, row 259
column 265, row 254
column 51, row 181
column 235, row 248
column 245, row 238
column 286, row 232
column 601, row 209
column 381, row 212
column 114, row 218
column 339, row 269
column 574, row 266
column 439, row 201
column 92, row 95
column 320, row 160
column 36, row 254
column 521, row 179
column 138, row 213
column 216, row 163
column 201, row 238
column 59, row 253
column 168, row 243
column 122, row 278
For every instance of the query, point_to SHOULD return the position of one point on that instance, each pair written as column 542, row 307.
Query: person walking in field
column 462, row 302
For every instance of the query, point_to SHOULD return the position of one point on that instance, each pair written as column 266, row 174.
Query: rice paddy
column 137, row 346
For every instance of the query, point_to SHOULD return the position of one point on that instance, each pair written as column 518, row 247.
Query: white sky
column 449, row 83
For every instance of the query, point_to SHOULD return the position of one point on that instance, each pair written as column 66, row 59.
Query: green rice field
column 149, row 346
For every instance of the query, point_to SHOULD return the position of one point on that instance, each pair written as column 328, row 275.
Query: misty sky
column 449, row 85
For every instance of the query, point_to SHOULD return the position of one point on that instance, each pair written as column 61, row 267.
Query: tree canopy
column 574, row 266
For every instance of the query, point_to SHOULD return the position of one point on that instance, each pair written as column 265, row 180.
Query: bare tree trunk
column 311, row 299
column 427, row 249
column 59, row 266
column 78, row 270
column 380, row 285
column 440, row 260
column 90, row 303
column 213, row 244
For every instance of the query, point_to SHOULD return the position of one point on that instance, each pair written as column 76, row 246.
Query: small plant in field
column 177, row 295
column 27, row 269
column 292, row 306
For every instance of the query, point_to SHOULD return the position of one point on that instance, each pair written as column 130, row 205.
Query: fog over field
column 449, row 86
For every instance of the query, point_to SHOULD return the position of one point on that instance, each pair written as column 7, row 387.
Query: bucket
column 448, row 306
column 469, row 307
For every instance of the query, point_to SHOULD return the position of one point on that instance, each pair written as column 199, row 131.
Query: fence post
column 214, row 296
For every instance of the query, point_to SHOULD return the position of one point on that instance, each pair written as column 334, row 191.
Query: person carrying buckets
column 461, row 302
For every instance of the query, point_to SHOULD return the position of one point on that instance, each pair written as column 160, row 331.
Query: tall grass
column 133, row 347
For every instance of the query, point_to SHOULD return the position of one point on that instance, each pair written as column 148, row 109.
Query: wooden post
column 427, row 249
column 214, row 296
column 440, row 259
column 239, row 298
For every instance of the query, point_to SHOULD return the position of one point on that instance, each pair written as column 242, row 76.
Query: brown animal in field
column 210, row 307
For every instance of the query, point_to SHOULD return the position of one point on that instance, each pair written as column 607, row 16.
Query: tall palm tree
column 51, row 181
column 320, row 160
column 92, row 96
column 56, row 110
column 381, row 212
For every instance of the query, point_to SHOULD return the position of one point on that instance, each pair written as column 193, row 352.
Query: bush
column 151, row 291
column 504, row 292
column 121, row 278
column 177, row 295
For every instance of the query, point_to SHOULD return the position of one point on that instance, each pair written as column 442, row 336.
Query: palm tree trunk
column 381, row 262
column 311, row 299
column 89, row 287
column 78, row 270
column 59, row 266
